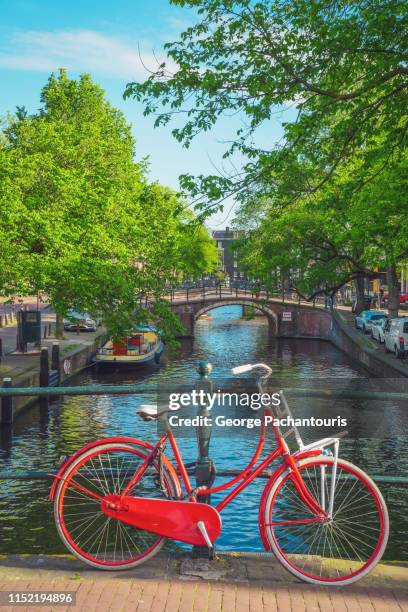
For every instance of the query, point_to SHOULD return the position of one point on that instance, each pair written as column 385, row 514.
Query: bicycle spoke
column 85, row 525
column 332, row 548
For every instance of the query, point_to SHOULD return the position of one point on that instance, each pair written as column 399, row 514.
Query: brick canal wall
column 71, row 362
column 360, row 348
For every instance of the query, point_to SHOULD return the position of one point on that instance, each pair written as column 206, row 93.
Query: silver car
column 79, row 321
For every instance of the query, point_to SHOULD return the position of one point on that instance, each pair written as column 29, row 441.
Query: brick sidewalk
column 233, row 583
column 202, row 596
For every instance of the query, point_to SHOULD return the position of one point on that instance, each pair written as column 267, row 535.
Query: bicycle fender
column 269, row 485
column 133, row 441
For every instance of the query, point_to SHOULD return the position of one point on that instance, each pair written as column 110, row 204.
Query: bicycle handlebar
column 249, row 367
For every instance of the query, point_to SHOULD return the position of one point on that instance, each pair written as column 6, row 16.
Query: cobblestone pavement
column 234, row 583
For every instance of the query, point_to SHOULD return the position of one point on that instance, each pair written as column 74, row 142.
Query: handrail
column 42, row 474
column 136, row 390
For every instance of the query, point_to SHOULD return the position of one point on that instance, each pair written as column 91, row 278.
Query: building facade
column 229, row 256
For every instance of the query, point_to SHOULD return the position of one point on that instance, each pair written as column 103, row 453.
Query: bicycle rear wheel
column 85, row 529
column 337, row 551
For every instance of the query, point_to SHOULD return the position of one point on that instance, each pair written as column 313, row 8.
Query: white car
column 377, row 330
column 396, row 336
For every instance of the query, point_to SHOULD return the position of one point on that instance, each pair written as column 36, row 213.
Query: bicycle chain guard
column 169, row 518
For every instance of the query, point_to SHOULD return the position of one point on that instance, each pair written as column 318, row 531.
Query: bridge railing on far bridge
column 209, row 292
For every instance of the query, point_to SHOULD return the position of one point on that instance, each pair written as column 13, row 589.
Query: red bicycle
column 117, row 500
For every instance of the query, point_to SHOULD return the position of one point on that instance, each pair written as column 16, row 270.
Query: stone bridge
column 288, row 320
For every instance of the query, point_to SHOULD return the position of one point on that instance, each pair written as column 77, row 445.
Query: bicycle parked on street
column 117, row 500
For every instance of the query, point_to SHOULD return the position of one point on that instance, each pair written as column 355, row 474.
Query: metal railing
column 7, row 392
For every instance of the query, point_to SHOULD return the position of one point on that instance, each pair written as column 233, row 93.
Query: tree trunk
column 393, row 291
column 59, row 327
column 359, row 287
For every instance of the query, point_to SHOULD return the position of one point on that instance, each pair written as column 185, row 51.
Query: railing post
column 55, row 357
column 7, row 405
column 44, row 367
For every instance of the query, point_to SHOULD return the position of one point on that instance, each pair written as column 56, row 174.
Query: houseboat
column 142, row 345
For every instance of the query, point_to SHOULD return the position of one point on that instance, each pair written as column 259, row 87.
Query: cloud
column 79, row 51
column 179, row 24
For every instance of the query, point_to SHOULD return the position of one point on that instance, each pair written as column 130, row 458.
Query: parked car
column 403, row 299
column 364, row 319
column 377, row 329
column 79, row 320
column 396, row 336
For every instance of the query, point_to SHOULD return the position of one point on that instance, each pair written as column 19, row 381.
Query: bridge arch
column 268, row 312
column 286, row 320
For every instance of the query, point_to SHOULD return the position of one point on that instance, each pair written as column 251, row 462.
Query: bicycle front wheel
column 339, row 550
column 85, row 529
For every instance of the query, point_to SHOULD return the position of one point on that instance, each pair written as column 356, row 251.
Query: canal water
column 377, row 439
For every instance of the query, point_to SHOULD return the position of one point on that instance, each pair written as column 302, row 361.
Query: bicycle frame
column 248, row 474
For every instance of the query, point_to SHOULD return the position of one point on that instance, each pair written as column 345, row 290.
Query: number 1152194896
column 16, row 598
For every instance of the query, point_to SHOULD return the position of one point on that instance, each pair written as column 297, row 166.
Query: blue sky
column 104, row 38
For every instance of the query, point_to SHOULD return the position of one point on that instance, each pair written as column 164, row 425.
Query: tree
column 341, row 65
column 78, row 217
column 351, row 230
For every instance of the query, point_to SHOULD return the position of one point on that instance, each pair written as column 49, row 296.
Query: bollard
column 45, row 332
column 44, row 367
column 1, row 349
column 49, row 329
column 7, row 405
column 205, row 471
column 1, row 320
column 55, row 357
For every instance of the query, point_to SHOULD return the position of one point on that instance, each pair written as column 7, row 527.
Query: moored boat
column 142, row 345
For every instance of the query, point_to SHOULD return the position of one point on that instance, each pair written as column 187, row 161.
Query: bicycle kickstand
column 211, row 549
